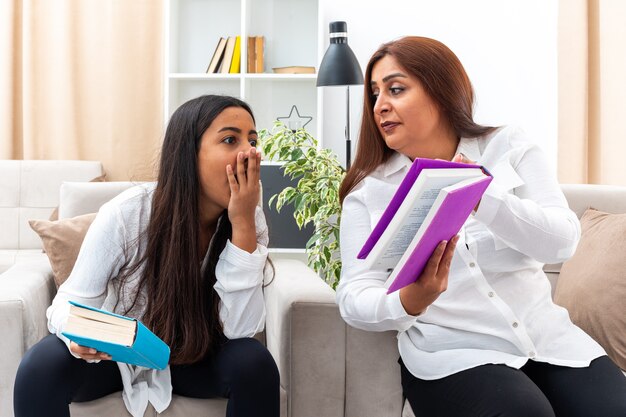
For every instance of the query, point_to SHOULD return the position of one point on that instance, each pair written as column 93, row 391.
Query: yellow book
column 228, row 56
column 236, row 61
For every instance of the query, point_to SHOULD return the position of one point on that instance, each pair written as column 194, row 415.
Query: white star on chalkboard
column 294, row 122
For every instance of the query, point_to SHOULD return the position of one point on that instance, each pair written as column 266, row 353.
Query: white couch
column 28, row 189
column 327, row 368
column 304, row 331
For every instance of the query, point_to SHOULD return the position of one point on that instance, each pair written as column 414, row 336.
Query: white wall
column 507, row 47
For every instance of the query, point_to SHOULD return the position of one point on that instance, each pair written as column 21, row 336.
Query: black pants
column 536, row 390
column 49, row 378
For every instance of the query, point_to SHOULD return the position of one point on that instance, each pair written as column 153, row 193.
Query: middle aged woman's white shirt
column 498, row 307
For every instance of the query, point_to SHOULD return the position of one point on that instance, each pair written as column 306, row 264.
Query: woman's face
column 407, row 118
column 231, row 132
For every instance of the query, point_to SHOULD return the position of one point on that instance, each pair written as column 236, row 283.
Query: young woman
column 186, row 256
column 478, row 333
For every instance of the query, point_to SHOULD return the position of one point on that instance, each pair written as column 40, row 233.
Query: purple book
column 410, row 207
column 418, row 165
column 451, row 209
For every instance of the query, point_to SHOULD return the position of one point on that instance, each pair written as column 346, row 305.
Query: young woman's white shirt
column 498, row 307
column 114, row 241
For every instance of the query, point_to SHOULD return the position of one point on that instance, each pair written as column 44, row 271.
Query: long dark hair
column 443, row 78
column 181, row 306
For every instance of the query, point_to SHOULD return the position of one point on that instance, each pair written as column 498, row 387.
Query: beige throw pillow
column 61, row 242
column 592, row 284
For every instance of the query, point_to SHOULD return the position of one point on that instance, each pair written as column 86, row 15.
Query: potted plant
column 315, row 198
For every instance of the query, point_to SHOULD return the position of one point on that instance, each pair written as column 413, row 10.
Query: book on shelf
column 294, row 69
column 259, row 53
column 228, row 55
column 217, row 56
column 251, row 64
column 235, row 64
column 431, row 204
column 124, row 338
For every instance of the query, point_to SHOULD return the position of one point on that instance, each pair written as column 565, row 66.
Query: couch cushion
column 78, row 198
column 61, row 241
column 55, row 214
column 9, row 183
column 30, row 189
column 9, row 224
column 9, row 257
column 592, row 284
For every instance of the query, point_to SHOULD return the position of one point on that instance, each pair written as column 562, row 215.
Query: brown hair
column 443, row 78
column 182, row 307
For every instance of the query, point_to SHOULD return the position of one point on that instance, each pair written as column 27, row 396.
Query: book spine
column 251, row 54
column 236, row 62
column 259, row 53
column 151, row 348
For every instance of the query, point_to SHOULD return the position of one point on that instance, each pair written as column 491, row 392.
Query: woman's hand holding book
column 88, row 354
column 433, row 281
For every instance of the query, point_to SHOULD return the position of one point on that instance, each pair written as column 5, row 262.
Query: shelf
column 201, row 76
column 291, row 32
column 280, row 77
column 263, row 76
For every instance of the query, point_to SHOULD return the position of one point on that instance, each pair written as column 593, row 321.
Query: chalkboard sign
column 284, row 232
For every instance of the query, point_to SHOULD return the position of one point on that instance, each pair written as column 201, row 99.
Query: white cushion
column 9, row 227
column 40, row 180
column 9, row 183
column 8, row 258
column 77, row 198
column 30, row 189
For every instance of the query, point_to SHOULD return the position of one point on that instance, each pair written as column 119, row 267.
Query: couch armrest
column 26, row 291
column 307, row 337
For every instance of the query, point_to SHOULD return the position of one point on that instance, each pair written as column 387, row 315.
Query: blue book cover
column 147, row 349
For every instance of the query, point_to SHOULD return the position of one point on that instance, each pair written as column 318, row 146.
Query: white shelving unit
column 292, row 37
column 293, row 34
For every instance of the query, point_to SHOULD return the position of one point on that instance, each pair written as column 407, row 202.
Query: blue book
column 124, row 338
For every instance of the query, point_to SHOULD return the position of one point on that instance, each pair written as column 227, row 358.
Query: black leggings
column 537, row 390
column 242, row 371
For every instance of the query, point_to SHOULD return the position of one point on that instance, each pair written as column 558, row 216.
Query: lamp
column 340, row 67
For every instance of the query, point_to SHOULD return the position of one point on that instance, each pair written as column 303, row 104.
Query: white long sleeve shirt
column 498, row 307
column 112, row 243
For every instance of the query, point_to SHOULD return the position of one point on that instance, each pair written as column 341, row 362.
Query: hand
column 88, row 354
column 244, row 198
column 459, row 157
column 465, row 160
column 432, row 282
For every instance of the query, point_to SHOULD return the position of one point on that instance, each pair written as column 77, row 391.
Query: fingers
column 254, row 166
column 446, row 258
column 248, row 167
column 438, row 264
column 432, row 266
column 88, row 353
column 241, row 168
column 232, row 181
column 460, row 157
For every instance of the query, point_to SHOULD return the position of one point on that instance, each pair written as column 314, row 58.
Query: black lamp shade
column 339, row 65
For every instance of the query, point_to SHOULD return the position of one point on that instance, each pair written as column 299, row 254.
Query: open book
column 125, row 339
column 431, row 204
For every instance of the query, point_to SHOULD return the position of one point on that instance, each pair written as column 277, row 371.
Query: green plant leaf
column 314, row 198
